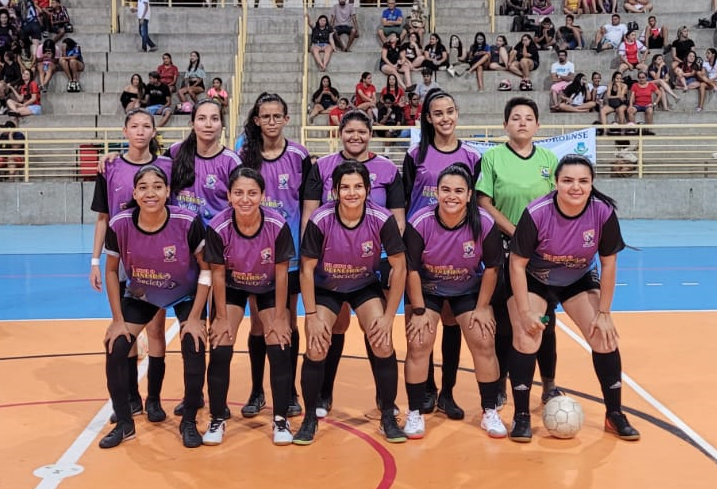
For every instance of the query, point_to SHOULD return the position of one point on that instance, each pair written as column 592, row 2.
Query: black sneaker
column 448, row 406
column 428, row 405
column 389, row 428
column 190, row 436
column 396, row 411
column 307, row 431
column 255, row 404
column 155, row 413
column 135, row 407
column 521, row 431
column 294, row 407
column 123, row 431
column 617, row 423
column 323, row 406
column 179, row 408
column 549, row 394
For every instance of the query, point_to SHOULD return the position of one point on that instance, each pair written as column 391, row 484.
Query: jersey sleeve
column 414, row 247
column 284, row 246
column 409, row 176
column 395, row 197
column 111, row 243
column 391, row 237
column 314, row 186
column 213, row 247
column 493, row 248
column 306, row 167
column 525, row 238
column 611, row 240
column 195, row 237
column 100, row 201
column 486, row 180
column 312, row 243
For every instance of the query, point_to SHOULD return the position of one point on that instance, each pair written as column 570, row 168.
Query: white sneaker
column 451, row 71
column 215, row 432
column 282, row 431
column 492, row 424
column 415, row 426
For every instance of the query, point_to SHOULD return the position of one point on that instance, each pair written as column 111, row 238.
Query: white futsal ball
column 563, row 417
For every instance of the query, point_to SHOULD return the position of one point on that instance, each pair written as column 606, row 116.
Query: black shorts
column 459, row 304
column 384, row 270
column 238, row 297
column 294, row 285
column 141, row 312
column 655, row 42
column 31, row 30
column 559, row 294
column 334, row 300
column 343, row 29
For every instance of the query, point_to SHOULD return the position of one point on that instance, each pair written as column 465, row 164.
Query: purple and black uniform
column 420, row 180
column 208, row 195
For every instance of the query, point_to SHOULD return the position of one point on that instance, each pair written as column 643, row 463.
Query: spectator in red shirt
column 641, row 99
column 338, row 112
column 168, row 72
column 27, row 100
column 412, row 110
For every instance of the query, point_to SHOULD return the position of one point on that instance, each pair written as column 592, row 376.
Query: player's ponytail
column 428, row 132
column 254, row 140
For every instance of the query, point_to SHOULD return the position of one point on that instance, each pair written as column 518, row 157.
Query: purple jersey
column 208, row 195
column 349, row 258
column 284, row 178
column 421, row 179
column 562, row 249
column 160, row 266
column 113, row 190
column 451, row 261
column 250, row 261
column 386, row 184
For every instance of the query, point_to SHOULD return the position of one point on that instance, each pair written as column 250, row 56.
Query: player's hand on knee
column 114, row 331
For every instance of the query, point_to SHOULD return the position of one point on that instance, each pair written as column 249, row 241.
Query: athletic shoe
column 69, row 87
column 179, row 408
column 323, row 407
column 155, row 413
column 451, row 71
column 122, row 432
column 617, row 423
column 429, row 402
column 492, row 424
column 215, row 432
column 282, row 431
column 415, row 426
column 255, row 404
column 307, row 431
column 135, row 407
column 549, row 394
column 190, row 436
column 152, row 49
column 294, row 408
column 448, row 406
column 390, row 429
column 396, row 411
column 521, row 431
column 501, row 400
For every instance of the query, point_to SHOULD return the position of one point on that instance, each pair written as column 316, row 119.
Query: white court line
column 83, row 441
column 697, row 439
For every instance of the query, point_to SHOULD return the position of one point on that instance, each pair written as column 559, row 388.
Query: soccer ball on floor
column 563, row 417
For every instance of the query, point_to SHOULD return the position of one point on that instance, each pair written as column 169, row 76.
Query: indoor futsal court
column 54, row 402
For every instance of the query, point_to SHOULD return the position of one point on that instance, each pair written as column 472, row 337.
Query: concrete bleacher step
column 115, row 81
column 146, row 62
column 178, row 47
column 177, row 20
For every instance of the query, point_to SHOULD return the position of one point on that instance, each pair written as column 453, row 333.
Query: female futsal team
column 206, row 232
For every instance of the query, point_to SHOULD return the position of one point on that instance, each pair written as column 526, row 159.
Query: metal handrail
column 236, row 97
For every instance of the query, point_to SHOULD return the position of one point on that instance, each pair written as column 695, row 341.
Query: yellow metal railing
column 236, row 96
column 491, row 14
column 114, row 17
column 305, row 77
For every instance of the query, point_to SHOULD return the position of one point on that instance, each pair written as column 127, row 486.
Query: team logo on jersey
column 366, row 249
column 265, row 256
column 211, row 181
column 469, row 249
column 372, row 178
column 170, row 253
column 589, row 238
column 284, row 181
column 545, row 172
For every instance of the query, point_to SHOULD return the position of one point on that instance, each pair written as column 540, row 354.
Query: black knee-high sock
column 155, row 377
column 117, row 377
column 522, row 369
column 220, row 359
column 372, row 361
column 387, row 380
column 547, row 353
column 280, row 378
column 451, row 351
column 195, row 368
column 431, row 380
column 415, row 393
column 608, row 368
column 294, row 360
column 488, row 393
column 132, row 376
column 257, row 354
column 312, row 377
column 331, row 367
column 503, row 347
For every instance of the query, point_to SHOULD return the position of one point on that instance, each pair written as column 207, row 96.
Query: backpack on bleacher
column 633, row 26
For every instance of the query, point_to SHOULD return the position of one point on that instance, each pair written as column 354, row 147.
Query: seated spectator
column 642, row 100
column 457, row 57
column 412, row 110
column 687, row 78
column 681, row 46
column 416, row 23
column 597, row 90
column 659, row 74
column 391, row 62
column 633, row 54
column 324, row 98
column 610, row 35
column 59, row 20
column 576, row 97
column 412, row 52
column 322, row 41
column 72, row 64
column 435, row 53
column 168, row 72
column 12, row 151
column 338, row 112
column 545, row 34
column 132, row 94
column 26, row 101
column 218, row 94
column 517, row 7
column 480, row 56
column 708, row 74
column 48, row 57
column 30, row 23
column 11, row 72
column 28, row 60
column 570, row 36
column 393, row 88
column 573, row 7
column 654, row 36
column 391, row 21
column 427, row 84
column 637, row 6
column 562, row 72
column 158, row 98
column 8, row 33
column 389, row 114
column 193, row 82
column 524, row 58
column 607, row 6
column 615, row 99
column 343, row 22
column 366, row 96
column 542, row 7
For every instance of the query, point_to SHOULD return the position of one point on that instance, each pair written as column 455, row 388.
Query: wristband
column 95, row 262
column 205, row 278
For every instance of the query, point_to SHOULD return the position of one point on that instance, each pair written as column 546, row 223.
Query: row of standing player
column 438, row 137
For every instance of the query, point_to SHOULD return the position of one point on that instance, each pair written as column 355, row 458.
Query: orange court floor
column 54, row 408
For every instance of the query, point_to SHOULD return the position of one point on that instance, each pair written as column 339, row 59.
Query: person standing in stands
column 144, row 13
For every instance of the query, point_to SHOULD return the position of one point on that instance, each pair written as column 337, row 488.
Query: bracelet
column 309, row 313
column 603, row 312
column 95, row 262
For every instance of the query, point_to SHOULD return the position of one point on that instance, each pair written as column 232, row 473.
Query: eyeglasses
column 266, row 118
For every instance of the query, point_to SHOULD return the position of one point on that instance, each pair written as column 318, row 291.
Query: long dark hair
column 253, row 144
column 321, row 88
column 573, row 159
column 459, row 47
column 472, row 212
column 140, row 173
column 576, row 86
column 246, row 172
column 349, row 167
column 183, row 163
column 428, row 132
column 194, row 66
column 479, row 46
column 154, row 146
